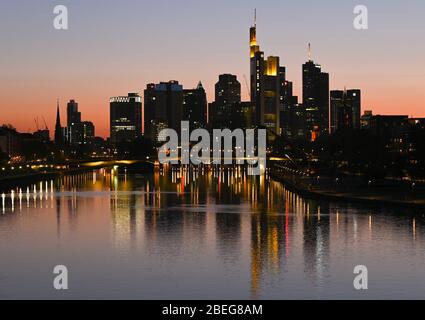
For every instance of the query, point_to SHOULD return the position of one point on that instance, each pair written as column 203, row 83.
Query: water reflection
column 250, row 231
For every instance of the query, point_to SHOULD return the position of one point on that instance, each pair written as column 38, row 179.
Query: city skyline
column 245, row 149
column 85, row 77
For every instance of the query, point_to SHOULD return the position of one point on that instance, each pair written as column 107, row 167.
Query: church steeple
column 58, row 116
column 58, row 127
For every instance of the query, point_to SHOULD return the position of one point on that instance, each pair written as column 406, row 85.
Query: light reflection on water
column 191, row 235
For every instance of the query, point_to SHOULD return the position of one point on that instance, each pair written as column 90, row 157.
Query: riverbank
column 13, row 180
column 380, row 196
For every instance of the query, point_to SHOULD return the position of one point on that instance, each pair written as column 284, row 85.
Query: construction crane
column 247, row 85
column 36, row 124
column 45, row 124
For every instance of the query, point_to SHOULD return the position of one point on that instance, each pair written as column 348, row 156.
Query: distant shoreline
column 383, row 198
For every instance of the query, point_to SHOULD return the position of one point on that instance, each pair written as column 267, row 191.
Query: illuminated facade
column 267, row 81
column 125, row 118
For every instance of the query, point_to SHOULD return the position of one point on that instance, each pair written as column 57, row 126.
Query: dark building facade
column 315, row 99
column 77, row 131
column 345, row 109
column 365, row 119
column 59, row 132
column 163, row 108
column 290, row 114
column 73, row 116
column 125, row 118
column 227, row 102
column 82, row 133
column 42, row 135
column 10, row 143
column 195, row 107
column 391, row 132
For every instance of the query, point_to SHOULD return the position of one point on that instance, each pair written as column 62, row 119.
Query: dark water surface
column 187, row 235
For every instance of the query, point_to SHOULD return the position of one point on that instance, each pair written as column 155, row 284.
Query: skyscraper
column 227, row 99
column 266, row 87
column 195, row 107
column 163, row 108
column 73, row 116
column 290, row 112
column 354, row 100
column 315, row 99
column 77, row 131
column 345, row 109
column 73, row 119
column 125, row 118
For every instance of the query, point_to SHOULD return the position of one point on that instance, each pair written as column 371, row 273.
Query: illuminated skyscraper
column 267, row 81
column 125, row 118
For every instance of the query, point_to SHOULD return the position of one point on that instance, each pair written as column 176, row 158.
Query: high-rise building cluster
column 272, row 105
column 76, row 132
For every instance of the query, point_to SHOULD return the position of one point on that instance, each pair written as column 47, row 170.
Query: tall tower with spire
column 58, row 128
column 267, row 81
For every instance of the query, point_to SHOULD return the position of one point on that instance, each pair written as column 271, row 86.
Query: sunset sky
column 116, row 47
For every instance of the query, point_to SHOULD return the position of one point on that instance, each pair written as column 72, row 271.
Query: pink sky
column 126, row 45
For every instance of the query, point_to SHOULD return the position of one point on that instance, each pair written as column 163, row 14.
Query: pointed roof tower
column 58, row 127
column 58, row 116
column 200, row 86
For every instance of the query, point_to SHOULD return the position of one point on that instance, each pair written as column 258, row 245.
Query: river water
column 192, row 235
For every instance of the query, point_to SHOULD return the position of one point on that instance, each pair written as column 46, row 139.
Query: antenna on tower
column 309, row 51
column 255, row 17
